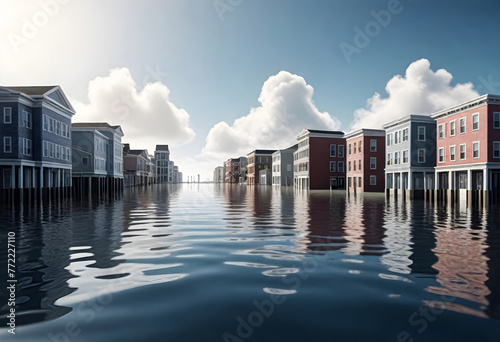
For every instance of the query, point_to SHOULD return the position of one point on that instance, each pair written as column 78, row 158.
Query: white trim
column 460, row 125
column 418, row 133
column 4, row 144
column 425, row 156
column 465, row 151
column 373, row 177
column 373, row 168
column 5, row 112
column 439, row 155
column 475, row 115
column 454, row 154
column 455, row 128
column 493, row 156
column 496, row 113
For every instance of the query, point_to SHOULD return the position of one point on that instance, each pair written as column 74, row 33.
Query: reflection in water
column 223, row 246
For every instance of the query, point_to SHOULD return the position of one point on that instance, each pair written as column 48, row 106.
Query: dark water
column 214, row 263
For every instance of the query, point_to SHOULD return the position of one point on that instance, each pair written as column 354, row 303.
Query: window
column 373, row 163
column 333, row 150
column 421, row 155
column 45, row 123
column 354, row 181
column 355, row 148
column 341, row 167
column 58, row 152
column 396, row 158
column 441, row 155
column 359, row 146
column 349, row 166
column 7, row 145
column 396, row 136
column 333, row 166
column 349, row 151
column 359, row 164
column 354, row 163
column 405, row 134
column 7, row 115
column 373, row 145
column 441, row 131
column 452, row 153
column 45, row 149
column 51, row 150
column 389, row 158
column 496, row 149
column 349, row 182
column 496, row 120
column 26, row 119
column 452, row 128
column 421, row 133
column 462, row 125
column 475, row 122
column 85, row 161
column 341, row 151
column 462, row 151
column 25, row 146
column 475, row 149
column 405, row 156
column 389, row 139
column 51, row 125
column 373, row 180
column 58, row 127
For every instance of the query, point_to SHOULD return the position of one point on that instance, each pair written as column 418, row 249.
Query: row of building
column 41, row 149
column 453, row 154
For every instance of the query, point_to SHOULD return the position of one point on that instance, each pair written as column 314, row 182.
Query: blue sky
column 214, row 70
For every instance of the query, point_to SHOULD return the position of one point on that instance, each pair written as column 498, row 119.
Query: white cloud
column 421, row 91
column 286, row 107
column 146, row 116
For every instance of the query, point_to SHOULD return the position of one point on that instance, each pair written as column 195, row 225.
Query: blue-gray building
column 410, row 155
column 36, row 138
column 97, row 155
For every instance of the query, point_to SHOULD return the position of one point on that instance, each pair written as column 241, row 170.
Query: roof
column 324, row 132
column 262, row 152
column 94, row 125
column 161, row 148
column 319, row 133
column 136, row 152
column 474, row 103
column 406, row 118
column 366, row 132
column 32, row 90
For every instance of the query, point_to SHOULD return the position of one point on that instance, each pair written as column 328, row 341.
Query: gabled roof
column 98, row 125
column 52, row 94
column 320, row 133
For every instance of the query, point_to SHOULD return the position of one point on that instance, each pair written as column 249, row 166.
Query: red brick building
column 468, row 150
column 319, row 162
column 365, row 160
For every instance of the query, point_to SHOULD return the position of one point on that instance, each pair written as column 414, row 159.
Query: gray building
column 410, row 155
column 282, row 167
column 97, row 154
column 162, row 157
column 36, row 139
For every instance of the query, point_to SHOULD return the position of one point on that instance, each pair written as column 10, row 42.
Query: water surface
column 230, row 263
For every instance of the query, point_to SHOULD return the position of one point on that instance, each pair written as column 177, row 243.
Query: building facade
column 410, row 156
column 232, row 170
column 36, row 140
column 319, row 162
column 468, row 150
column 162, row 157
column 258, row 160
column 219, row 174
column 137, row 167
column 365, row 160
column 282, row 168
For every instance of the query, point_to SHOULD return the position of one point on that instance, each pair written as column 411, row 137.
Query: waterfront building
column 319, row 162
column 162, row 157
column 410, row 156
column 97, row 156
column 176, row 174
column 365, row 160
column 232, row 170
column 468, row 150
column 137, row 167
column 265, row 177
column 179, row 177
column 243, row 170
column 219, row 174
column 36, row 140
column 283, row 166
column 258, row 160
column 170, row 171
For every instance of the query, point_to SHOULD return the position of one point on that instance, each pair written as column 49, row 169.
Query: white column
column 33, row 178
column 13, row 178
column 21, row 176
column 41, row 177
column 486, row 179
column 450, row 180
column 425, row 180
column 469, row 179
column 436, row 180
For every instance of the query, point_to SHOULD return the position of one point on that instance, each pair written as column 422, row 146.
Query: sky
column 216, row 79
